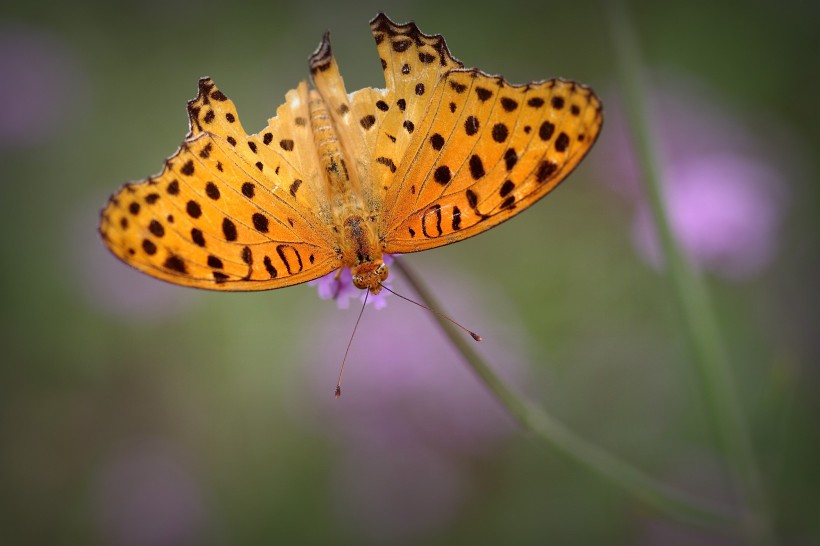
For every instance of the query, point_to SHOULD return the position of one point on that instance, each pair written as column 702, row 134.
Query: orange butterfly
column 336, row 180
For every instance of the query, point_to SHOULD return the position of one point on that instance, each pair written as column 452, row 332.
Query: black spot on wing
column 476, row 167
column 471, row 125
column 368, row 121
column 442, row 175
column 197, row 237
column 545, row 169
column 175, row 263
column 229, row 230
column 212, row 191
column 435, row 211
column 386, row 161
column 294, row 187
column 156, row 228
column 483, row 94
column 510, row 159
column 260, row 222
column 509, row 104
column 456, row 218
column 458, row 87
column 562, row 142
column 500, row 132
column 269, row 267
column 546, row 130
column 193, row 209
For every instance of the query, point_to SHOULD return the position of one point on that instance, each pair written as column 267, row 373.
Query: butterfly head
column 370, row 276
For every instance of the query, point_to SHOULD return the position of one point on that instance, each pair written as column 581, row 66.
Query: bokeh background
column 138, row 413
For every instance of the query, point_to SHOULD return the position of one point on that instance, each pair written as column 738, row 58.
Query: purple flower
column 338, row 285
column 725, row 211
column 44, row 86
column 412, row 419
column 724, row 189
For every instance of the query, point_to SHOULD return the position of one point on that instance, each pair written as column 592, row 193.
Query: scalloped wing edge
column 381, row 23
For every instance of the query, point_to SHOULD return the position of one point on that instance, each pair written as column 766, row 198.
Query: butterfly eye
column 382, row 272
column 359, row 282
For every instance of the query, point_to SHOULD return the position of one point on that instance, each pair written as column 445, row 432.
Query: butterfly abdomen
column 327, row 143
column 342, row 182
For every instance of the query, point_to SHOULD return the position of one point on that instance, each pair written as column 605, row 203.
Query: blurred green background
column 137, row 413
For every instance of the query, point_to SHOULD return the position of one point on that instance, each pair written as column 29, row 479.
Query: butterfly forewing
column 485, row 151
column 228, row 211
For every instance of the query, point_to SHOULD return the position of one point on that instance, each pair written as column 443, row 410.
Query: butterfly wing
column 229, row 211
column 485, row 151
column 379, row 124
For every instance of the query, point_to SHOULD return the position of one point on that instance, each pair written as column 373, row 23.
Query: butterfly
column 337, row 180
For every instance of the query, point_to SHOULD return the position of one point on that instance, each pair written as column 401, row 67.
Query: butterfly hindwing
column 413, row 64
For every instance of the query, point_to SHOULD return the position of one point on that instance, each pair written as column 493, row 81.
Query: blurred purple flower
column 44, row 86
column 412, row 416
column 724, row 191
column 148, row 497
column 725, row 210
column 339, row 286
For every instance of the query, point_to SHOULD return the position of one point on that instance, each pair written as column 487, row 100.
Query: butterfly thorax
column 357, row 241
column 362, row 255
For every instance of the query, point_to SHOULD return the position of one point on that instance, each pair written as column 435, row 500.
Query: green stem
column 693, row 301
column 556, row 434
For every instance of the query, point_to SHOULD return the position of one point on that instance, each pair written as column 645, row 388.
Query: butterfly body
column 358, row 244
column 336, row 180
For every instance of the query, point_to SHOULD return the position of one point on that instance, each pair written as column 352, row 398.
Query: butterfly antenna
column 349, row 343
column 437, row 313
